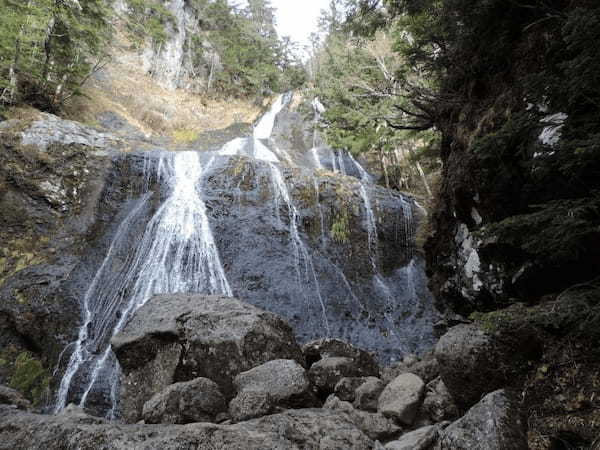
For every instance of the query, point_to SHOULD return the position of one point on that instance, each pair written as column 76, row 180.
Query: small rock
column 365, row 362
column 284, row 380
column 402, row 397
column 421, row 439
column 438, row 403
column 367, row 394
column 250, row 405
column 9, row 396
column 194, row 401
column 346, row 387
column 426, row 368
column 495, row 423
column 327, row 372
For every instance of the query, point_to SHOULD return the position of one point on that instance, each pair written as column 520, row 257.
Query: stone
column 420, row 439
column 365, row 362
column 367, row 394
column 346, row 387
column 9, row 396
column 250, row 405
column 326, row 373
column 495, row 423
column 198, row 400
column 402, row 398
column 284, row 380
column 222, row 337
column 293, row 429
column 438, row 404
column 425, row 367
column 374, row 425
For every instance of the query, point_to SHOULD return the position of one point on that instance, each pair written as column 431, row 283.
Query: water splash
column 177, row 253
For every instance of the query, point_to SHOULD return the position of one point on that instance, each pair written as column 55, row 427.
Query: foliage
column 340, row 228
column 30, row 378
column 149, row 19
column 48, row 48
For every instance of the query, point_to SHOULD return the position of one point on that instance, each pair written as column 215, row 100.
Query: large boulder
column 284, row 380
column 180, row 337
column 473, row 363
column 366, row 396
column 292, row 430
column 495, row 423
column 402, row 398
column 250, row 405
column 198, row 400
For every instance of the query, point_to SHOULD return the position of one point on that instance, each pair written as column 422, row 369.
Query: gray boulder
column 284, row 380
column 421, row 439
column 495, row 423
column 438, row 404
column 198, row 400
column 327, row 373
column 374, row 425
column 367, row 394
column 402, row 398
column 364, row 362
column 346, row 387
column 185, row 336
column 9, row 396
column 250, row 405
column 291, row 430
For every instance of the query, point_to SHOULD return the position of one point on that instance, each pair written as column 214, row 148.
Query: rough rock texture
column 495, row 423
column 9, row 396
column 284, row 380
column 365, row 362
column 425, row 367
column 250, row 405
column 308, row 429
column 438, row 404
column 473, row 363
column 346, row 387
column 367, row 394
column 198, row 400
column 421, row 439
column 326, row 373
column 402, row 398
column 180, row 337
column 376, row 426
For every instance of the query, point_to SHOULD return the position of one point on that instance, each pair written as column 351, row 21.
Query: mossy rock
column 30, row 377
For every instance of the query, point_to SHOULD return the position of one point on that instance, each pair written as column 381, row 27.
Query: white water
column 176, row 253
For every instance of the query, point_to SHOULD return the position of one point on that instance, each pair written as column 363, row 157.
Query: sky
column 298, row 18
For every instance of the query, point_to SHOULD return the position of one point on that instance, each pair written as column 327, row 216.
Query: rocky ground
column 212, row 372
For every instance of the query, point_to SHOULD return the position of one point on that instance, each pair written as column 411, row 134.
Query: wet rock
column 284, row 380
column 346, row 387
column 425, row 367
column 367, row 394
column 294, row 429
column 421, row 439
column 402, row 398
column 374, row 425
column 222, row 337
column 474, row 363
column 326, row 373
column 365, row 362
column 495, row 423
column 198, row 400
column 9, row 396
column 250, row 405
column 438, row 404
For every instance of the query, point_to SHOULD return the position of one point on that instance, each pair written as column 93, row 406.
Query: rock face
column 402, row 398
column 198, row 400
column 495, row 423
column 9, row 396
column 284, row 380
column 472, row 363
column 180, row 337
column 294, row 430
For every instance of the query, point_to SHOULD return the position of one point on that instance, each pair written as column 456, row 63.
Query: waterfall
column 176, row 253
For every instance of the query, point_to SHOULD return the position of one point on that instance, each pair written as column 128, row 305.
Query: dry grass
column 127, row 90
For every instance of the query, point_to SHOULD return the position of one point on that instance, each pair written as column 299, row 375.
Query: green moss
column 340, row 229
column 30, row 378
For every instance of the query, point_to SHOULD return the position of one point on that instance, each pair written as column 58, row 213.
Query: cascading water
column 269, row 252
column 177, row 253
